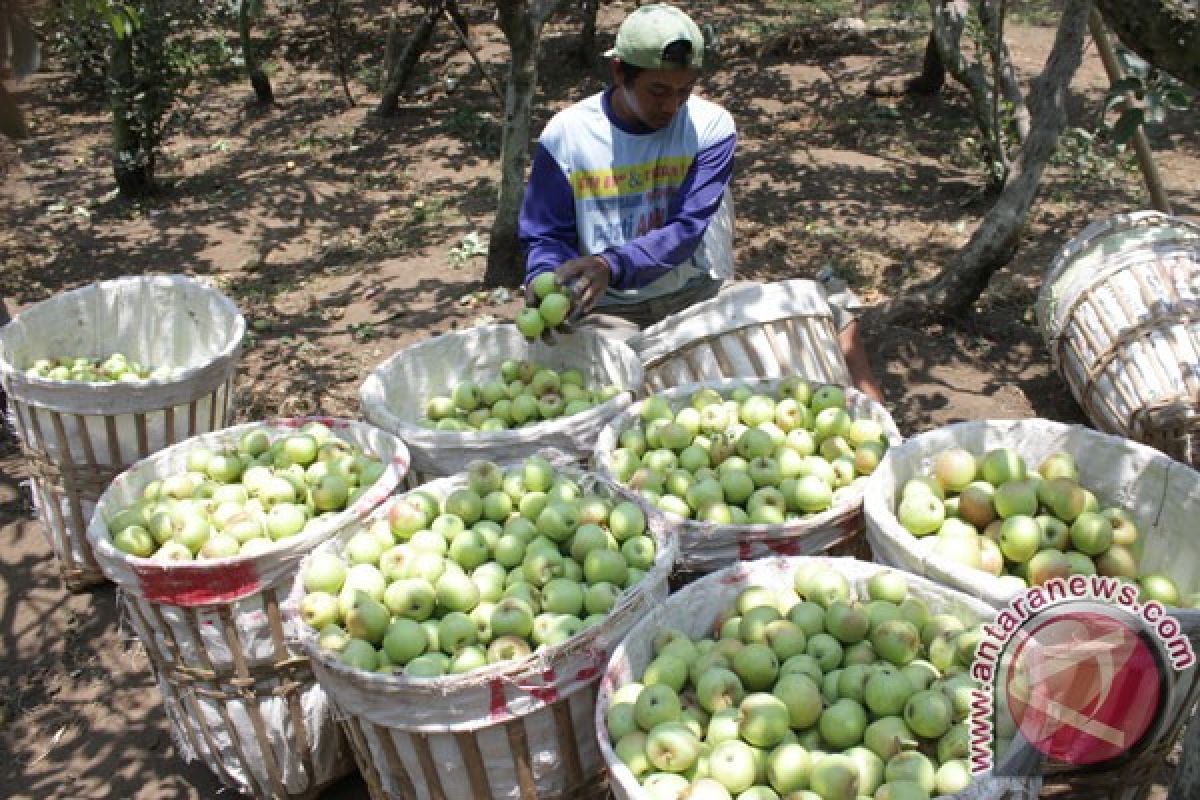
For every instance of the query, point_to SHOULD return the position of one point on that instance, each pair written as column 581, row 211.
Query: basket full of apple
column 462, row 628
column 203, row 539
column 748, row 469
column 492, row 393
column 993, row 507
column 815, row 678
column 101, row 376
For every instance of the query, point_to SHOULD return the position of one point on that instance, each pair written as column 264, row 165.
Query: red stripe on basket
column 787, row 547
column 547, row 692
column 587, row 673
column 197, row 585
column 745, row 550
column 599, row 660
column 497, row 704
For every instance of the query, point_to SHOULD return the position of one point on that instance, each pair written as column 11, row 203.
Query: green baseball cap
column 646, row 32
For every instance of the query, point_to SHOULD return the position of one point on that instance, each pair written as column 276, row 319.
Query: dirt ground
column 340, row 236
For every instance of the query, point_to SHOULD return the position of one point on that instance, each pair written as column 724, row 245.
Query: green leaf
column 1115, row 101
column 1176, row 98
column 131, row 12
column 1127, row 126
column 1133, row 63
column 1156, row 112
column 117, row 23
column 1127, row 84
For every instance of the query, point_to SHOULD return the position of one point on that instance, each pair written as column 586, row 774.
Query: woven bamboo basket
column 520, row 729
column 393, row 396
column 1163, row 496
column 705, row 547
column 240, row 696
column 78, row 436
column 694, row 610
column 1120, row 312
column 748, row 331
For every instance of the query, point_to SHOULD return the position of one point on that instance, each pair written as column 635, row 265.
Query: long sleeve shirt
column 640, row 199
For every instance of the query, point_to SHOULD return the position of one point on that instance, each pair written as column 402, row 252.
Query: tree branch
column 991, row 246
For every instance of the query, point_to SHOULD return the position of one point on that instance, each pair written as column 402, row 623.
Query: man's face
column 655, row 95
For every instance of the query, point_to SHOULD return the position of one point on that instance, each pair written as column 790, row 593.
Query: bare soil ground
column 339, row 235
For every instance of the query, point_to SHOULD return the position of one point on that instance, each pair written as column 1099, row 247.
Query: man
column 627, row 199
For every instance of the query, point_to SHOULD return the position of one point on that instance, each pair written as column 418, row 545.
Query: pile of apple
column 116, row 368
column 553, row 307
column 748, row 458
column 807, row 694
column 242, row 500
column 1022, row 525
column 511, row 562
column 524, row 393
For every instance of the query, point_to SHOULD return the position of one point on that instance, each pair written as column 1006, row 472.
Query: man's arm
column 546, row 226
column 645, row 259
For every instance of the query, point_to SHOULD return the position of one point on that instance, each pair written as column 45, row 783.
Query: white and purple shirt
column 640, row 198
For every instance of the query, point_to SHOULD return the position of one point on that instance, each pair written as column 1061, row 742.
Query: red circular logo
column 1082, row 687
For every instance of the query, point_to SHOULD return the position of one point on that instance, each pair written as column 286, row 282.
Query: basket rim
column 1052, row 318
column 230, row 350
column 649, row 344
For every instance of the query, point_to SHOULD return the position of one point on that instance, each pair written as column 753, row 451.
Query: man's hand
column 587, row 277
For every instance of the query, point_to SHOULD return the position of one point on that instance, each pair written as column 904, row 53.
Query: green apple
column 763, row 719
column 530, row 323
column 921, row 514
column 366, row 618
column 360, row 655
column 413, row 598
column 842, row 724
column 928, row 713
column 834, row 777
column 404, row 640
column 137, row 541
column 733, row 764
column 655, row 705
column 672, row 747
column 800, row 694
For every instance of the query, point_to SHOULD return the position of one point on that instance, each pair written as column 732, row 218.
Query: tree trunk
column 1005, row 82
column 523, row 31
column 933, row 72
column 133, row 155
column 950, row 19
column 587, row 34
column 258, row 78
column 337, row 41
column 402, row 69
column 1164, row 32
column 12, row 121
column 959, row 285
column 521, row 21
